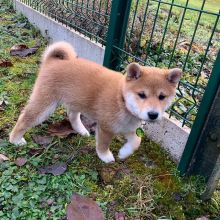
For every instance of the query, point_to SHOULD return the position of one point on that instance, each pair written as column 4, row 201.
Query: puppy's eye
column 142, row 95
column 162, row 97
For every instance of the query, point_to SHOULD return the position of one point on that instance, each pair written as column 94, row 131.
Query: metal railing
column 90, row 18
column 163, row 33
column 174, row 33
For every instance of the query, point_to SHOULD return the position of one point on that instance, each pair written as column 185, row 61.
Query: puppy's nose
column 153, row 115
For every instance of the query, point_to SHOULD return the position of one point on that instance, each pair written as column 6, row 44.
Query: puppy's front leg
column 103, row 140
column 132, row 144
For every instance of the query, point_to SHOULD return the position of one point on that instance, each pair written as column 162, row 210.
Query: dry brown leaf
column 35, row 151
column 83, row 208
column 55, row 169
column 202, row 218
column 5, row 63
column 61, row 129
column 42, row 140
column 20, row 161
column 119, row 216
column 22, row 50
column 3, row 157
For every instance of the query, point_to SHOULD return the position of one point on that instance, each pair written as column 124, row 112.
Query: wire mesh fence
column 163, row 33
column 89, row 17
column 176, row 33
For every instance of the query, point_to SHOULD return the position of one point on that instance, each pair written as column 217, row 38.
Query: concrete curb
column 169, row 134
column 56, row 31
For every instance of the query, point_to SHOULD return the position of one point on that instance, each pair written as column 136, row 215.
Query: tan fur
column 107, row 97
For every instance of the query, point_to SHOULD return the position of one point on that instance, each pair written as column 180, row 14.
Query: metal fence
column 176, row 34
column 90, row 18
column 163, row 33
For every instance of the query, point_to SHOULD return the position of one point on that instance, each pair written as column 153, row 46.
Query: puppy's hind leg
column 103, row 140
column 33, row 114
column 132, row 144
column 77, row 124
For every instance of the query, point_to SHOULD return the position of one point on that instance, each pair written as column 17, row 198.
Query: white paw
column 84, row 133
column 82, row 130
column 106, row 157
column 19, row 142
column 125, row 151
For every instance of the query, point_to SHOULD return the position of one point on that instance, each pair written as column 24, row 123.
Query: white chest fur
column 125, row 123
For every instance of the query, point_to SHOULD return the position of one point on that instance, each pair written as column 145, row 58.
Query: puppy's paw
column 125, row 152
column 84, row 133
column 19, row 142
column 106, row 157
column 81, row 130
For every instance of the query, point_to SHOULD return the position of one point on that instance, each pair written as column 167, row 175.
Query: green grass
column 210, row 5
column 147, row 185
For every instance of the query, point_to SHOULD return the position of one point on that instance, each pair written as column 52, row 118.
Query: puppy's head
column 148, row 91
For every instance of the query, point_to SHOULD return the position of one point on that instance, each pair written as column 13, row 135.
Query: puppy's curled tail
column 60, row 50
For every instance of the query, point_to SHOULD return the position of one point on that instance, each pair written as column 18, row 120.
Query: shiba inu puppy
column 118, row 103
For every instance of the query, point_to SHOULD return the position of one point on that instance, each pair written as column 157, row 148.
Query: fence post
column 116, row 32
column 201, row 155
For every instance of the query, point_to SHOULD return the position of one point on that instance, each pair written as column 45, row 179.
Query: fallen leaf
column 22, row 50
column 61, row 129
column 202, row 218
column 35, row 151
column 119, row 216
column 184, row 44
column 55, row 169
column 20, row 161
column 50, row 201
column 18, row 47
column 5, row 63
column 42, row 140
column 85, row 150
column 83, row 208
column 3, row 157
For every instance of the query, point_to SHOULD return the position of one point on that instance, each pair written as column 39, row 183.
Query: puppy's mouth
column 156, row 120
column 151, row 121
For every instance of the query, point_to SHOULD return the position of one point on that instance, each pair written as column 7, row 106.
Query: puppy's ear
column 133, row 71
column 174, row 75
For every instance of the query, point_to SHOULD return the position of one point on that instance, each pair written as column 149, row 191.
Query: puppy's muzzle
column 153, row 115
